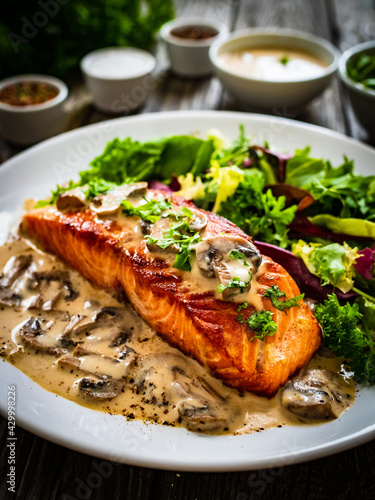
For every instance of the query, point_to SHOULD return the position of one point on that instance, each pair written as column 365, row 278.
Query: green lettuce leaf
column 259, row 214
column 182, row 154
column 355, row 227
column 332, row 263
column 302, row 168
column 227, row 179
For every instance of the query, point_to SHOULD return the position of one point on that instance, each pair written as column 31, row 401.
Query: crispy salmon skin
column 112, row 252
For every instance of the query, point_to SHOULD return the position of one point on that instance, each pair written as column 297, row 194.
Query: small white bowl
column 33, row 123
column 188, row 57
column 361, row 98
column 276, row 96
column 119, row 78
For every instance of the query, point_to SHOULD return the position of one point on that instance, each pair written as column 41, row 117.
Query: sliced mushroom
column 213, row 259
column 198, row 416
column 72, row 200
column 204, row 409
column 108, row 204
column 14, row 268
column 33, row 335
column 317, row 395
column 100, row 389
column 13, row 271
column 198, row 221
column 51, row 286
column 94, row 363
column 128, row 353
column 198, row 404
column 120, row 339
column 9, row 298
column 146, row 226
column 158, row 230
column 112, row 320
column 65, row 339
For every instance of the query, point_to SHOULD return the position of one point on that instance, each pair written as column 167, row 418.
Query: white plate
column 32, row 174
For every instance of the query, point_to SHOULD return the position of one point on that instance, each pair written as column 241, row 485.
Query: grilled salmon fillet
column 115, row 256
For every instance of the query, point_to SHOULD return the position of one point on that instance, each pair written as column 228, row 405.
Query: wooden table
column 49, row 471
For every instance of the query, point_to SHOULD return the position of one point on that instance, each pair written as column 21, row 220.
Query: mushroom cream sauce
column 121, row 366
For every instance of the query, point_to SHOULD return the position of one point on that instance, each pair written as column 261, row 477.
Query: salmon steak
column 194, row 277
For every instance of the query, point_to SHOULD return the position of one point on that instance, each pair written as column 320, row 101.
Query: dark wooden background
column 49, row 471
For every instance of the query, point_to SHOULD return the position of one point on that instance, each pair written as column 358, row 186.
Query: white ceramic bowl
column 30, row 124
column 188, row 57
column 361, row 98
column 119, row 78
column 276, row 96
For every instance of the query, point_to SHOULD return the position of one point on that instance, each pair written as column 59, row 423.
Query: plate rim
column 344, row 443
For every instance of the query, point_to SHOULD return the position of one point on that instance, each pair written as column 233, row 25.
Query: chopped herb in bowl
column 361, row 69
column 357, row 72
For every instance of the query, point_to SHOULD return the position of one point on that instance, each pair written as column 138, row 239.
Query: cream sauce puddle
column 84, row 333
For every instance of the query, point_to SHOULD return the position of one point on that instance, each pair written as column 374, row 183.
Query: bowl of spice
column 188, row 41
column 357, row 71
column 31, row 108
column 274, row 69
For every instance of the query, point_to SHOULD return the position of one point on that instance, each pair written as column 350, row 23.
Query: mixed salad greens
column 316, row 220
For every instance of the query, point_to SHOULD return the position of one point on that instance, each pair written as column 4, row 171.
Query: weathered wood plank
column 356, row 23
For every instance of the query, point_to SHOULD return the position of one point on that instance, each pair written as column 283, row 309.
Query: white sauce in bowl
column 118, row 63
column 275, row 64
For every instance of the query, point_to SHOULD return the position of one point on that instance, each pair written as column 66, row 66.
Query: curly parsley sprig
column 343, row 335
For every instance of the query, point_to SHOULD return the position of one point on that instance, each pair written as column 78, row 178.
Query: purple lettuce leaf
column 365, row 264
column 160, row 186
column 278, row 159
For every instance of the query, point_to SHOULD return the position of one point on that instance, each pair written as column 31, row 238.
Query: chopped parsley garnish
column 274, row 293
column 183, row 237
column 236, row 255
column 261, row 323
column 96, row 187
column 183, row 213
column 234, row 283
column 244, row 305
column 149, row 211
column 284, row 59
column 343, row 335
